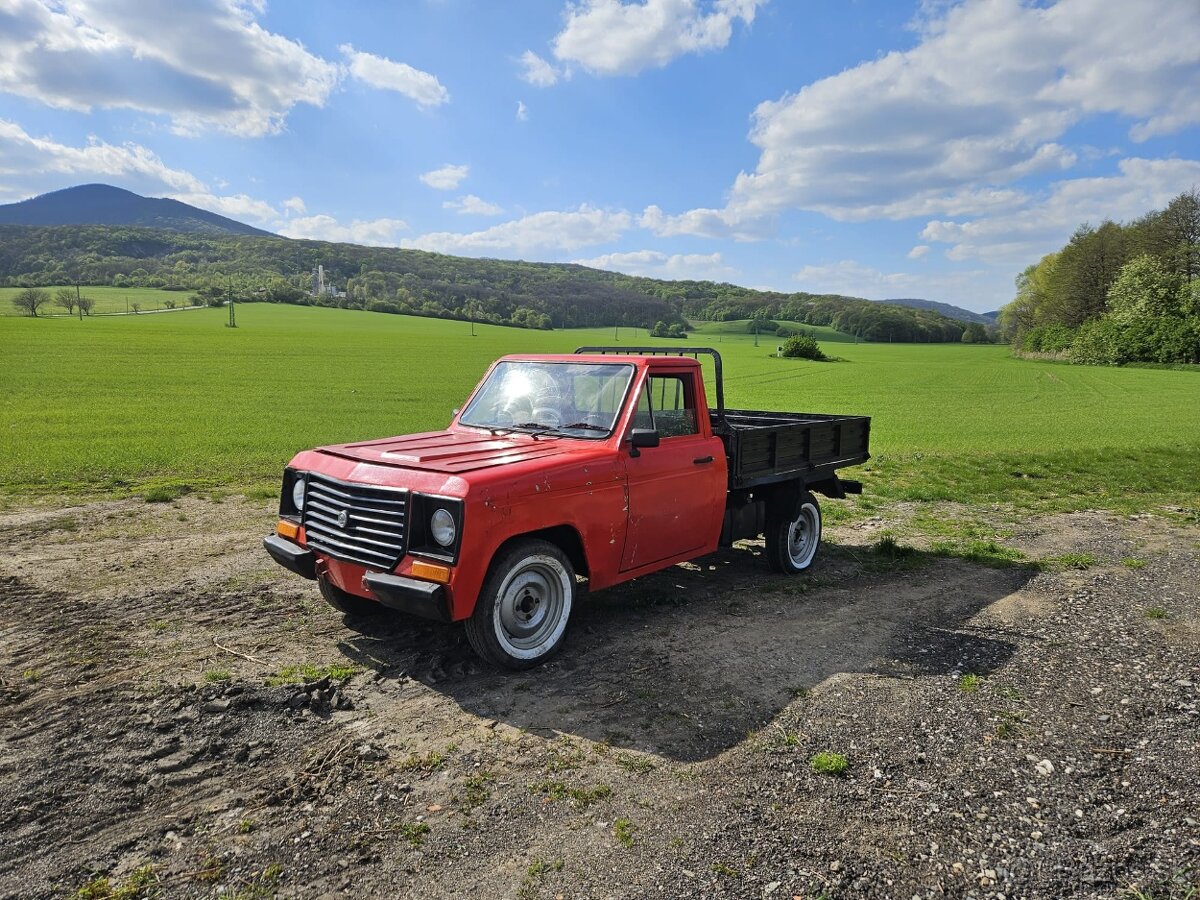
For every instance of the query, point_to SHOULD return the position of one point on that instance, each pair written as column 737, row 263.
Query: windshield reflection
column 573, row 399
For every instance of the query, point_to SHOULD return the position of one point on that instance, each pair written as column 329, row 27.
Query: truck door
column 677, row 489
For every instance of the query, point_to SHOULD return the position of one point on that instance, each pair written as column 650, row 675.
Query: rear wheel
column 521, row 615
column 346, row 603
column 793, row 534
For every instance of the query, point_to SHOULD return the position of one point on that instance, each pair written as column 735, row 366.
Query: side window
column 643, row 417
column 673, row 402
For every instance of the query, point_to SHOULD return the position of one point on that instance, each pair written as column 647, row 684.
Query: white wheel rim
column 532, row 607
column 803, row 536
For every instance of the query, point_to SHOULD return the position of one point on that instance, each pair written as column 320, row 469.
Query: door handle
column 702, row 460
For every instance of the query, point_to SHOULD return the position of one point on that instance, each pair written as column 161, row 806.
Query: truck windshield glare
column 574, row 399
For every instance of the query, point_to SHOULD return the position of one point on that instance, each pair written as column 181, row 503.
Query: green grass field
column 123, row 402
column 107, row 300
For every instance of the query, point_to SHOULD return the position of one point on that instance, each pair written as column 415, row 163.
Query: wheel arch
column 565, row 537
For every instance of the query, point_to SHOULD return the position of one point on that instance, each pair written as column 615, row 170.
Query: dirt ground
column 1008, row 732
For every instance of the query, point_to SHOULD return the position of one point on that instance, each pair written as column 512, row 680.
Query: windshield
column 573, row 399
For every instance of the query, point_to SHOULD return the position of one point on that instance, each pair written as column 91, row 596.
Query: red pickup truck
column 560, row 470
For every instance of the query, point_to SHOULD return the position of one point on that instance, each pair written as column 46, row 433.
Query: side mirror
column 454, row 412
column 642, row 437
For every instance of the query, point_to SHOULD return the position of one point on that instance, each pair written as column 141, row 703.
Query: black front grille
column 356, row 523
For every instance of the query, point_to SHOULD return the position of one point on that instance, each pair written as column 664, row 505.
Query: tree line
column 414, row 282
column 1116, row 294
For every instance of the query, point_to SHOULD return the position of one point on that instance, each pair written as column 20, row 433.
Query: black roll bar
column 693, row 352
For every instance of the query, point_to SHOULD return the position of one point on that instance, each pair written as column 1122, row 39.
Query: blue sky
column 879, row 149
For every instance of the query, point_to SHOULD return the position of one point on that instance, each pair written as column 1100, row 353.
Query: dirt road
column 1007, row 731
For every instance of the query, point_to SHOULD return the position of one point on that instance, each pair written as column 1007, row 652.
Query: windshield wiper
column 539, row 428
column 584, row 426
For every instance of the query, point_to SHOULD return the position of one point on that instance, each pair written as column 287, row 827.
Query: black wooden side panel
column 766, row 446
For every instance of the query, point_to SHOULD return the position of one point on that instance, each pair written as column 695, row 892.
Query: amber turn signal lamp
column 440, row 574
column 289, row 530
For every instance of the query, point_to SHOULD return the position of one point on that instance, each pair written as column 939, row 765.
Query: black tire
column 346, row 603
column 793, row 534
column 521, row 616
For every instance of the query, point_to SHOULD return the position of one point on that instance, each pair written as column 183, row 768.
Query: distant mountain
column 103, row 204
column 947, row 309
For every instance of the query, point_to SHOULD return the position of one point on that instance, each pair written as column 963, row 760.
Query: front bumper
column 417, row 598
column 291, row 556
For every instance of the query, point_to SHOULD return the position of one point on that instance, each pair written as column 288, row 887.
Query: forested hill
column 1117, row 293
column 386, row 279
column 946, row 309
column 103, row 204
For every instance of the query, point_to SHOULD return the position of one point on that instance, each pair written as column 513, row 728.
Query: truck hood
column 452, row 452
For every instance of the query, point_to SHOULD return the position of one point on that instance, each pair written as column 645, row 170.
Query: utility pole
column 78, row 305
column 229, row 294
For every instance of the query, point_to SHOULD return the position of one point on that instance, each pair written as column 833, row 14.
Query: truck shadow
column 686, row 662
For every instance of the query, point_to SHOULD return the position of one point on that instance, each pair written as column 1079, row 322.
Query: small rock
column 321, row 685
column 1045, row 767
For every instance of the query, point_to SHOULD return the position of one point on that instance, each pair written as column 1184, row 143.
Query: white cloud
column 653, row 264
column 537, row 71
column 1023, row 236
column 376, row 232
column 919, row 252
column 447, row 178
column 31, row 165
column 237, row 206
column 857, row 280
column 204, row 64
column 945, row 128
column 470, row 205
column 389, row 75
column 295, row 205
column 713, row 223
column 539, row 232
column 609, row 37
column 522, row 111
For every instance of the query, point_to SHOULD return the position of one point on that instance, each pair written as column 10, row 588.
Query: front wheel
column 793, row 537
column 522, row 612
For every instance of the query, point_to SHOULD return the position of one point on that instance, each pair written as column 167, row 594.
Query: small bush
column 307, row 673
column 803, row 346
column 623, row 831
column 414, row 833
column 1070, row 561
column 969, row 683
column 1156, row 612
column 166, row 493
column 828, row 763
column 1054, row 338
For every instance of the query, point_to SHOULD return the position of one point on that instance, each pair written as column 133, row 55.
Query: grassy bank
column 118, row 403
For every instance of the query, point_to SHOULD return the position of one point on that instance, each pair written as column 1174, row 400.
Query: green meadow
column 126, row 402
column 107, row 300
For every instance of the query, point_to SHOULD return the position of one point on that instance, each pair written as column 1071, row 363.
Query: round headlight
column 298, row 494
column 441, row 526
